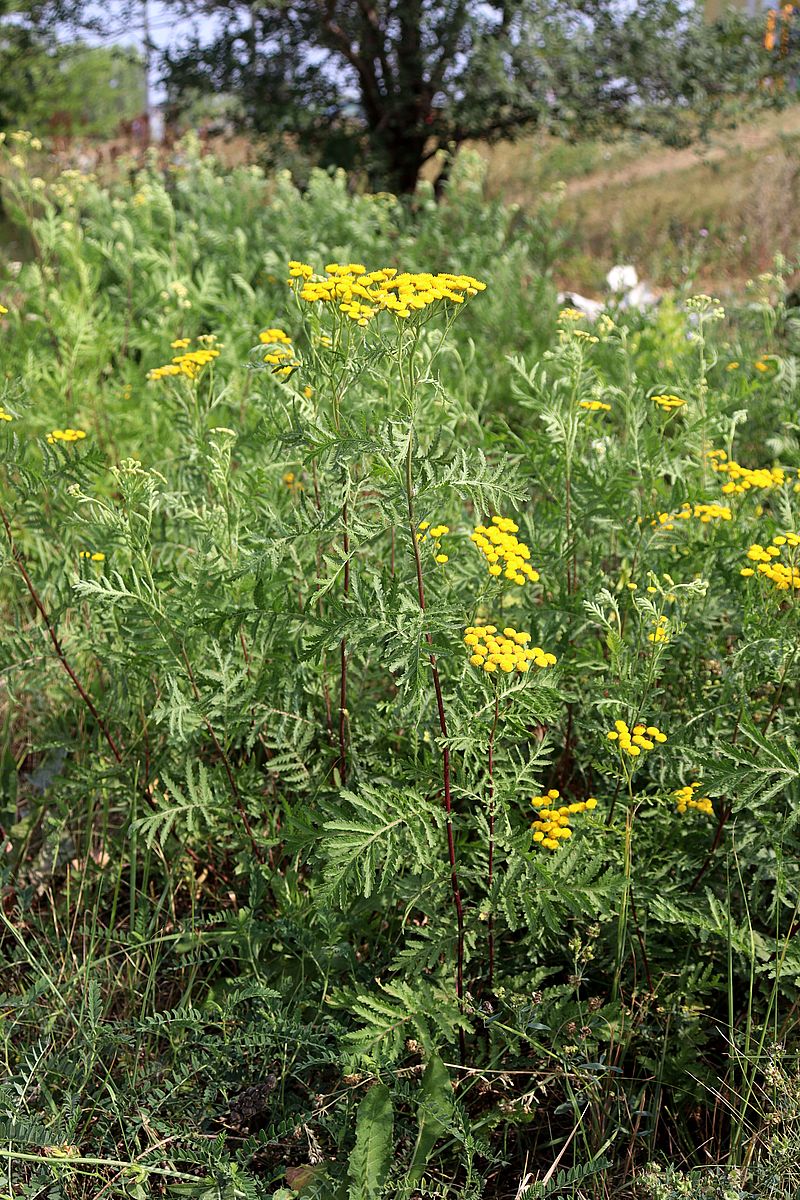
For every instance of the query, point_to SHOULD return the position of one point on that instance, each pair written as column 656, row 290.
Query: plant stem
column 490, row 878
column 622, row 924
column 446, row 790
column 568, row 527
column 343, row 657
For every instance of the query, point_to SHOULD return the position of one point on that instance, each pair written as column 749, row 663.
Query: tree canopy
column 389, row 83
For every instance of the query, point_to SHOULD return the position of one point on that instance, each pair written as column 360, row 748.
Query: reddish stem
column 568, row 531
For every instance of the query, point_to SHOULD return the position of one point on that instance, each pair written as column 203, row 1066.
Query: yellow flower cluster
column 189, row 365
column 3, row 310
column 685, row 798
column 553, row 822
column 274, row 337
column 660, row 630
column 783, row 575
column 508, row 650
column 760, row 365
column 280, row 356
column 4, row 416
column 65, row 435
column 292, row 482
column 436, row 533
column 360, row 294
column 571, row 314
column 743, row 479
column 668, row 402
column 504, row 553
column 594, row 405
column 581, row 335
column 634, row 741
column 98, row 556
column 704, row 512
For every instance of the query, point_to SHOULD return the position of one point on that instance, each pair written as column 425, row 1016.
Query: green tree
column 389, row 83
column 77, row 87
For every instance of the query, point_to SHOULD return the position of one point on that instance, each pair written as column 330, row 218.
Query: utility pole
column 147, row 46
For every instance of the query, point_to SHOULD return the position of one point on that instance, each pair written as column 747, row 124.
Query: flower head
column 633, row 741
column 668, row 402
column 744, row 479
column 660, row 631
column 685, row 799
column 361, row 294
column 771, row 564
column 65, row 435
column 552, row 826
column 503, row 551
column 705, row 513
column 508, row 651
column 189, row 365
column 274, row 337
column 280, row 351
column 435, row 533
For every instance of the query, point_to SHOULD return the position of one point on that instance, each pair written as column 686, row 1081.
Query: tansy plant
column 370, row 699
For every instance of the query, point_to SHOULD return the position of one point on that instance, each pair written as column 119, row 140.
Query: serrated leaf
column 370, row 1158
column 436, row 1105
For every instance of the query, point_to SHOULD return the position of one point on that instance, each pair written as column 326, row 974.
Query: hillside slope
column 717, row 212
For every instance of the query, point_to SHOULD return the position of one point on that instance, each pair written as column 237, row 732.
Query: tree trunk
column 400, row 154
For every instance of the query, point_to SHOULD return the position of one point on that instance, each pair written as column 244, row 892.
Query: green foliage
column 268, row 930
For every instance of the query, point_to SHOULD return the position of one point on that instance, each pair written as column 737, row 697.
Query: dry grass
column 639, row 202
